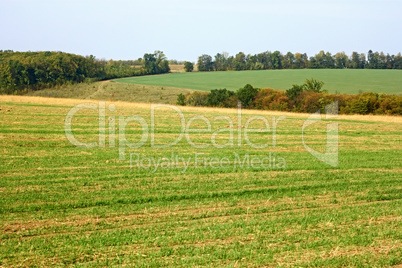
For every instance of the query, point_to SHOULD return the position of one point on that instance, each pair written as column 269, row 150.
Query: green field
column 62, row 205
column 342, row 81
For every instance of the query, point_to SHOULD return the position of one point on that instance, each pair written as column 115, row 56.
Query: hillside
column 115, row 91
column 343, row 81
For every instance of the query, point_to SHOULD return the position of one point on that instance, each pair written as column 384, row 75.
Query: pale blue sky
column 184, row 30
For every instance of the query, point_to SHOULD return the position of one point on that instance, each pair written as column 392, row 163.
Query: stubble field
column 65, row 205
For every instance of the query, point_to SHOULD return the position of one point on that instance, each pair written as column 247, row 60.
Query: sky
column 185, row 29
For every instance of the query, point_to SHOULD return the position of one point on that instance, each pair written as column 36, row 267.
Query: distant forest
column 23, row 71
column 276, row 60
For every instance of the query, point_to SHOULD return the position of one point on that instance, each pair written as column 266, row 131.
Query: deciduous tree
column 188, row 66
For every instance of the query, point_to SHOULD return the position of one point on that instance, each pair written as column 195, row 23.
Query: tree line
column 276, row 60
column 306, row 98
column 22, row 71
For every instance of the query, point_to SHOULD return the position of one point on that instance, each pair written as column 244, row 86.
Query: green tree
column 181, row 100
column 197, row 98
column 288, row 61
column 341, row 60
column 320, row 59
column 329, row 61
column 264, row 59
column 7, row 83
column 390, row 59
column 218, row 97
column 300, row 61
column 398, row 61
column 372, row 59
column 294, row 91
column 220, row 62
column 246, row 95
column 382, row 61
column 276, row 60
column 363, row 61
column 150, row 65
column 312, row 63
column 155, row 63
column 188, row 66
column 313, row 85
column 355, row 60
column 205, row 63
column 239, row 62
column 162, row 62
column 251, row 61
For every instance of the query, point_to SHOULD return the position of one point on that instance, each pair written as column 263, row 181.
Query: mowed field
column 114, row 91
column 65, row 205
column 342, row 81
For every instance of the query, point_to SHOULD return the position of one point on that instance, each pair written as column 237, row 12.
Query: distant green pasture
column 343, row 81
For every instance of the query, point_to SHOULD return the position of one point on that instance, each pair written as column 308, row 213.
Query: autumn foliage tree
column 299, row 98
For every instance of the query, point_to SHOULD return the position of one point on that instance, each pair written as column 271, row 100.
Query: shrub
column 246, row 95
column 306, row 101
column 365, row 103
column 270, row 99
column 313, row 85
column 217, row 97
column 197, row 99
column 188, row 66
column 294, row 91
column 231, row 102
column 181, row 99
column 389, row 104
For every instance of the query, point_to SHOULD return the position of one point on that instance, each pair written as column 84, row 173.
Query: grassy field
column 108, row 91
column 343, row 81
column 65, row 205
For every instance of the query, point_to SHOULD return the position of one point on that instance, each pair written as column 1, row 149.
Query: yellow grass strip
column 63, row 101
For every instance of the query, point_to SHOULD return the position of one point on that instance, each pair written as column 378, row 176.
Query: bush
column 305, row 101
column 218, row 97
column 246, row 95
column 197, row 99
column 389, row 104
column 231, row 102
column 310, row 102
column 365, row 103
column 181, row 100
column 294, row 91
column 188, row 66
column 313, row 85
column 270, row 99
